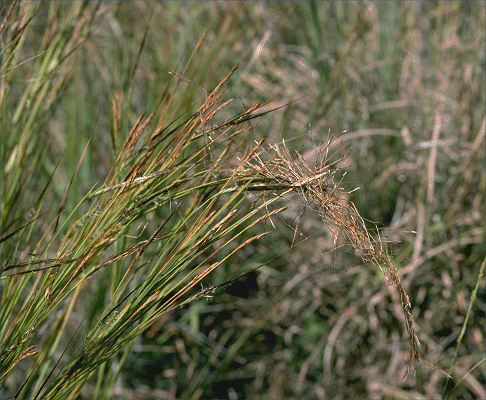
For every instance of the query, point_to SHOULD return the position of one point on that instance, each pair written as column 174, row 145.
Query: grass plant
column 146, row 220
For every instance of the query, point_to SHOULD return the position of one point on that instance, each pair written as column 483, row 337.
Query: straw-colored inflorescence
column 316, row 184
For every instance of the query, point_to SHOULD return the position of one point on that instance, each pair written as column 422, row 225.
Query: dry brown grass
column 317, row 185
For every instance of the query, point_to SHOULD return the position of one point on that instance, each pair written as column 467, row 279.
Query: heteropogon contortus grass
column 317, row 184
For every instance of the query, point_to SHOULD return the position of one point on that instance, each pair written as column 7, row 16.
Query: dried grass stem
column 316, row 184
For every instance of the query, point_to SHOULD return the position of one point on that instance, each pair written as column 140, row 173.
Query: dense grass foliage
column 136, row 186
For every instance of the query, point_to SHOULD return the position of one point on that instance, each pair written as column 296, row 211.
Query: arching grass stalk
column 316, row 184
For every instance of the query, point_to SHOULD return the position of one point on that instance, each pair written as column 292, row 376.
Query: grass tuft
column 135, row 183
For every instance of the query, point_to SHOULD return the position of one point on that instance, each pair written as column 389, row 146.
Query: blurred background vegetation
column 400, row 84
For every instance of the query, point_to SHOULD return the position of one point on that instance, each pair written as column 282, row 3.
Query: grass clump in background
column 118, row 254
